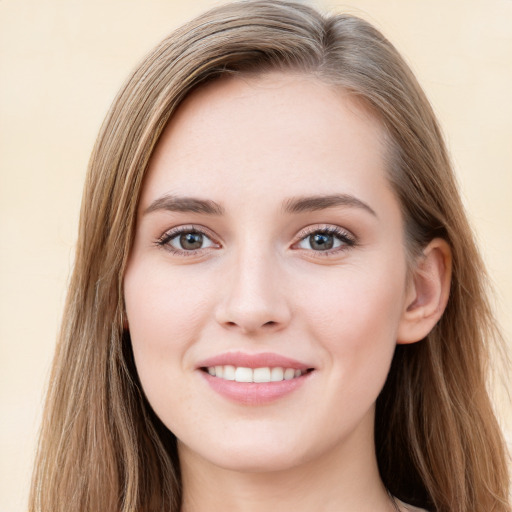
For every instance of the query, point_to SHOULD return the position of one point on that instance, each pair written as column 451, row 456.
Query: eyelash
column 168, row 236
column 345, row 237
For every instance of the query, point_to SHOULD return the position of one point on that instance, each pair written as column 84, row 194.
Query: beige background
column 62, row 61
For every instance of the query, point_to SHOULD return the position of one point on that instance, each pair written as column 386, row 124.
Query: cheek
column 165, row 314
column 356, row 319
column 355, row 301
column 162, row 305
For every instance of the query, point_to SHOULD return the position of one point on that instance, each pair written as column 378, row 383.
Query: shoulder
column 408, row 508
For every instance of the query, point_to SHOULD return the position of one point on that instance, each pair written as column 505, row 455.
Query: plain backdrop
column 61, row 63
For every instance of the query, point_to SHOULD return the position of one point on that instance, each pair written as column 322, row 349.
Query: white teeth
column 276, row 374
column 289, row 373
column 260, row 375
column 229, row 372
column 243, row 374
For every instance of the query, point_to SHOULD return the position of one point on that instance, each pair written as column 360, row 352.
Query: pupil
column 321, row 242
column 191, row 240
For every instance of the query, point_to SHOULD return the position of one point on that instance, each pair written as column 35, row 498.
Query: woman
column 276, row 299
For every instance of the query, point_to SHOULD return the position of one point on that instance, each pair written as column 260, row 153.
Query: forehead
column 275, row 134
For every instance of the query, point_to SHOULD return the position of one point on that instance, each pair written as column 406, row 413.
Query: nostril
column 271, row 323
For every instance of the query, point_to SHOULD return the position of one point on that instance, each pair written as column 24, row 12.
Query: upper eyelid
column 186, row 228
column 324, row 228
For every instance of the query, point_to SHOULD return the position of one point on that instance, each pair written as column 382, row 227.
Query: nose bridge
column 254, row 297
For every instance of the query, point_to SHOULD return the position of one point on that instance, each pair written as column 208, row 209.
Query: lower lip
column 251, row 393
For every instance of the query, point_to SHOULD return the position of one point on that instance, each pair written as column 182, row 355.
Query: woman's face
column 269, row 247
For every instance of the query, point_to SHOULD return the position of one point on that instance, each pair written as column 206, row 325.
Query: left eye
column 189, row 241
column 324, row 241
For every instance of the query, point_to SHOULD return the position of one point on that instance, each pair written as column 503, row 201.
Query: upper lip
column 261, row 360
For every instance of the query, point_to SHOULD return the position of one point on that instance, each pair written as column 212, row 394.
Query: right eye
column 185, row 240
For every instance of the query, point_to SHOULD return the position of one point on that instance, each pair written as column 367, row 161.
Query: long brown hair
column 438, row 442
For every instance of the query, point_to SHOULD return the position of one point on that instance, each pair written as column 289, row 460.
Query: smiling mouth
column 256, row 375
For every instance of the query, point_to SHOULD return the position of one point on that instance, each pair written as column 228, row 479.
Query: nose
column 254, row 298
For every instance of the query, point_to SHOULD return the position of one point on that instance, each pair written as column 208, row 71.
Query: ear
column 427, row 293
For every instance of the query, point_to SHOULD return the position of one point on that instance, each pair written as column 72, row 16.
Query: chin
column 244, row 457
column 256, row 464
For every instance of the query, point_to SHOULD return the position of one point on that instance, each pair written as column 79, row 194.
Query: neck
column 344, row 479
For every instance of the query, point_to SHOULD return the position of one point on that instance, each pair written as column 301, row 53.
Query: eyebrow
column 322, row 202
column 292, row 205
column 185, row 204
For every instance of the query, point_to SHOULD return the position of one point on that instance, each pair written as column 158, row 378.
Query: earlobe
column 428, row 292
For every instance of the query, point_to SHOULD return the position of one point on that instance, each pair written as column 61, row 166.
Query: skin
column 257, row 285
